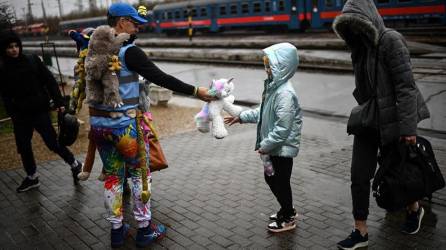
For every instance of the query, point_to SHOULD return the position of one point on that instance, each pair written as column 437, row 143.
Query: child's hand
column 231, row 120
column 261, row 152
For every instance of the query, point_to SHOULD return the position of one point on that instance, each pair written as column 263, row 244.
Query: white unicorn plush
column 211, row 112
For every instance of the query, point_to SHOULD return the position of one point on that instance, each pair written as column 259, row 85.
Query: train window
column 382, row 1
column 329, row 3
column 245, row 8
column 281, row 5
column 404, row 1
column 222, row 10
column 233, row 9
column 267, row 6
column 177, row 14
column 194, row 12
column 204, row 12
column 257, row 7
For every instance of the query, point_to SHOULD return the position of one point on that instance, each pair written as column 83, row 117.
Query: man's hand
column 409, row 140
column 231, row 120
column 203, row 94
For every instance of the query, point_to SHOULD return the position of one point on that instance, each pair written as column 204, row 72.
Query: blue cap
column 125, row 10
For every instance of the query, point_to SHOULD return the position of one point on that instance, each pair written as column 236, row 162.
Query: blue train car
column 218, row 15
column 286, row 15
column 396, row 13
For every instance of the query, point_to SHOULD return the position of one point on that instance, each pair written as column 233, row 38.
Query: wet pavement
column 213, row 196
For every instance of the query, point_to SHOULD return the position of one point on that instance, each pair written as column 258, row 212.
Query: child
column 279, row 123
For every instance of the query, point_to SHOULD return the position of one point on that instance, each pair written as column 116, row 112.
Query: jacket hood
column 283, row 60
column 359, row 18
column 6, row 40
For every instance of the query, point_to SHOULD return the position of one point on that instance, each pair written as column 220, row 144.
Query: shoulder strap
column 375, row 86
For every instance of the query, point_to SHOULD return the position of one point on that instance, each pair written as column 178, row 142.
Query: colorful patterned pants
column 118, row 149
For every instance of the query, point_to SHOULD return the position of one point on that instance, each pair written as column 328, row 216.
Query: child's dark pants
column 279, row 183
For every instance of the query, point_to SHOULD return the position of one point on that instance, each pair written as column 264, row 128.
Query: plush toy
column 102, row 65
column 211, row 112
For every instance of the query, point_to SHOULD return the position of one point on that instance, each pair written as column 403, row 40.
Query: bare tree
column 7, row 18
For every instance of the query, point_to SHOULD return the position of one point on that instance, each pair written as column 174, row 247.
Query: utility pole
column 43, row 12
column 30, row 12
column 60, row 9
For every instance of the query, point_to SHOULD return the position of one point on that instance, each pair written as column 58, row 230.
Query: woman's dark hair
column 112, row 20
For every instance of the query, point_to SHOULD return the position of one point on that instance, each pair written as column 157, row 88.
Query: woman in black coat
column 27, row 87
column 382, row 68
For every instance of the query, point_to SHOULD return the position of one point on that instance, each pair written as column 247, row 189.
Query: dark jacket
column 27, row 85
column 400, row 103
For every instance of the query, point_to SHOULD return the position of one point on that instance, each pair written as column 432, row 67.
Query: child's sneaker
column 149, row 234
column 118, row 235
column 28, row 184
column 354, row 240
column 413, row 221
column 274, row 217
column 282, row 224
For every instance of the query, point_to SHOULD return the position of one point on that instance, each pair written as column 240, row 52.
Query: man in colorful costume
column 116, row 131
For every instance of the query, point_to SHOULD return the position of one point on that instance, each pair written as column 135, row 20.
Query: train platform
column 213, row 196
column 316, row 41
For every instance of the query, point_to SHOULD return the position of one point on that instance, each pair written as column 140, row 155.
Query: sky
column 52, row 7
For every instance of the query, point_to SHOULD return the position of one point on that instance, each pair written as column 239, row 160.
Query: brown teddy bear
column 102, row 65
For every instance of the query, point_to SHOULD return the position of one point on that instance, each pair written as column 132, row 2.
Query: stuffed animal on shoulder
column 211, row 112
column 102, row 66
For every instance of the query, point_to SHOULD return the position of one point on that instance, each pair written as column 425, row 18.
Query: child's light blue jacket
column 279, row 118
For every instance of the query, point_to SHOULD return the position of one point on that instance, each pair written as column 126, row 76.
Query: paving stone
column 214, row 202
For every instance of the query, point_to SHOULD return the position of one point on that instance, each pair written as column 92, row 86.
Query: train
column 282, row 15
column 221, row 15
column 36, row 29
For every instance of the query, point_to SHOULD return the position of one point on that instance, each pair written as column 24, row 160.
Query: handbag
column 399, row 180
column 157, row 159
column 407, row 173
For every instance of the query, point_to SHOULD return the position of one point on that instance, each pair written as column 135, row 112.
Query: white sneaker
column 282, row 224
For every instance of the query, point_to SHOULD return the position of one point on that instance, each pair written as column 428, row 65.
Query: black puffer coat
column 400, row 103
column 27, row 86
